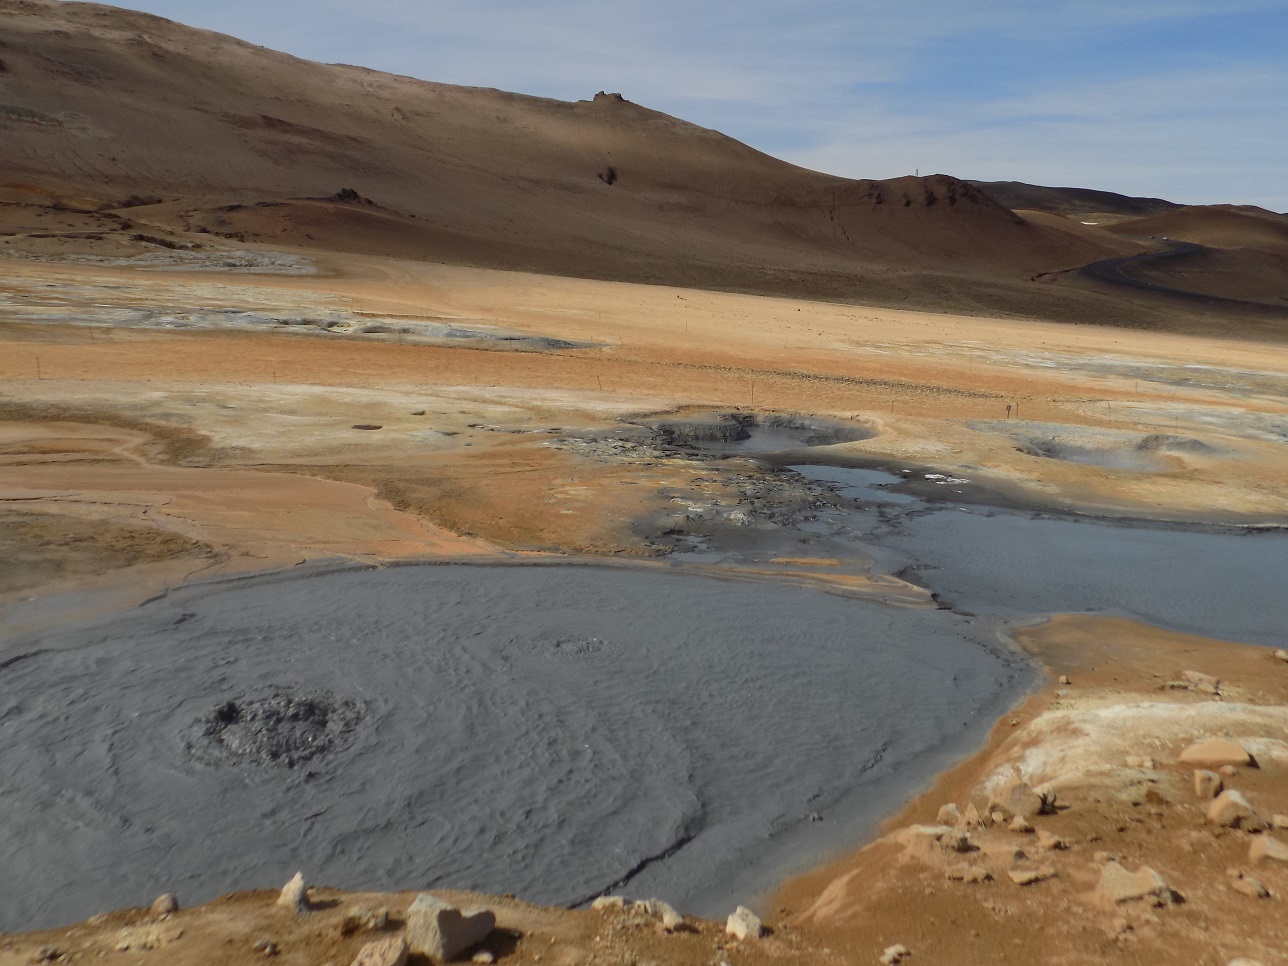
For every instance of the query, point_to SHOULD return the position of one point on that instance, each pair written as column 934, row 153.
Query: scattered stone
column 1020, row 824
column 367, row 426
column 1202, row 682
column 1279, row 820
column 1231, row 810
column 164, row 905
column 1025, row 877
column 942, row 837
column 1051, row 841
column 1246, row 884
column 895, row 954
column 266, row 946
column 1207, row 784
column 1064, row 679
column 440, row 931
column 969, row 873
column 609, row 904
column 949, row 814
column 484, row 957
column 1281, row 654
column 971, row 817
column 1217, row 751
column 1017, row 798
column 1267, row 847
column 1117, row 885
column 294, row 895
column 384, row 952
column 744, row 924
column 1229, row 771
column 665, row 912
column 359, row 919
column 145, row 937
column 47, row 954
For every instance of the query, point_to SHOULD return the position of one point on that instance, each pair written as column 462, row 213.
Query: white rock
column 1231, row 810
column 294, row 895
column 1117, row 885
column 440, row 931
column 1207, row 784
column 383, row 952
column 1215, row 752
column 609, row 904
column 895, row 954
column 949, row 814
column 1267, row 847
column 744, row 924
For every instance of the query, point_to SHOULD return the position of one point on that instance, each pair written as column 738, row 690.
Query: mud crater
column 279, row 727
column 740, row 433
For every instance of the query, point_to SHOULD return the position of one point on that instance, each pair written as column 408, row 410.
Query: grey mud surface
column 549, row 731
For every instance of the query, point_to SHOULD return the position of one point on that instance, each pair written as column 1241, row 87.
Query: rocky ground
column 133, row 458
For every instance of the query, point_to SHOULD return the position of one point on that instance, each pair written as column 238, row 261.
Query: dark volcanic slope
column 102, row 108
column 1071, row 201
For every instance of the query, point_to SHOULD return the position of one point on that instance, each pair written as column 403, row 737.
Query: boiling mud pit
column 553, row 732
column 747, row 434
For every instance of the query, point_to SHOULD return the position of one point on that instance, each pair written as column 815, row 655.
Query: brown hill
column 1218, row 226
column 1072, row 202
column 196, row 133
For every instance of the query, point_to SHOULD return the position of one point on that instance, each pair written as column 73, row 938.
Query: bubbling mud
column 549, row 731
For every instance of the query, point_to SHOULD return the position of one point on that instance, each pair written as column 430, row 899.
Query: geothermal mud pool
column 552, row 732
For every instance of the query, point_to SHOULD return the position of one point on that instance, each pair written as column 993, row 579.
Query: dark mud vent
column 281, row 728
column 608, row 175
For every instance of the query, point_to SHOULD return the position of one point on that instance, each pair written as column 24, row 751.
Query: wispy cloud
column 1163, row 97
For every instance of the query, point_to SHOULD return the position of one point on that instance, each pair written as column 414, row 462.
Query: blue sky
column 1178, row 99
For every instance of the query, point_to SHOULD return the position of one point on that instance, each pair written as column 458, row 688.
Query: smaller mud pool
column 749, row 434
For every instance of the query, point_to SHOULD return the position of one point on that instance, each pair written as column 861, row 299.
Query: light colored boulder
column 1207, row 784
column 439, row 930
column 1281, row 654
column 1231, row 810
column 1051, row 841
column 164, row 905
column 1279, row 820
column 1024, row 877
column 943, row 838
column 949, row 814
column 666, row 914
column 1017, row 798
column 972, row 819
column 1117, row 885
column 1205, row 683
column 384, row 952
column 1217, row 752
column 967, row 872
column 1267, row 847
column 609, row 904
column 295, row 895
column 895, row 954
column 744, row 924
column 1246, row 884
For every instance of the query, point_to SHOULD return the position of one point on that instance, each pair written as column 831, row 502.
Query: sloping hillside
column 101, row 107
column 1071, row 202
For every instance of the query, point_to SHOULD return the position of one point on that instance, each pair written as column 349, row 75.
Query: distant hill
column 1071, row 201
column 1220, row 226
